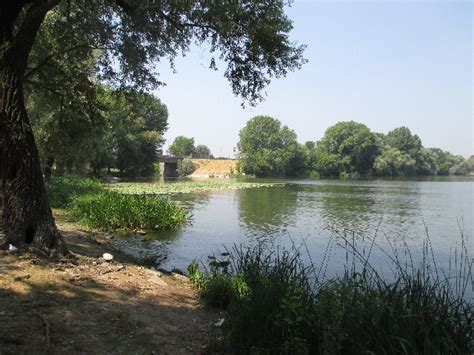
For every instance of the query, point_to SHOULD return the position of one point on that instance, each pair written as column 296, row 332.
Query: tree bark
column 27, row 220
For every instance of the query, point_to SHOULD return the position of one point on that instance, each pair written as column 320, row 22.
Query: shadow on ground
column 84, row 304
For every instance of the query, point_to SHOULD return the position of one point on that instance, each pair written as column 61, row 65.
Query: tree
column 268, row 149
column 182, row 147
column 402, row 139
column 393, row 162
column 470, row 162
column 202, row 152
column 138, row 122
column 126, row 37
column 347, row 147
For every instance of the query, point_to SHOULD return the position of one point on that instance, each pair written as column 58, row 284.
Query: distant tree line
column 266, row 148
column 184, row 147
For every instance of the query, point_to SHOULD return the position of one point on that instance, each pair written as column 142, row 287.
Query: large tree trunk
column 27, row 219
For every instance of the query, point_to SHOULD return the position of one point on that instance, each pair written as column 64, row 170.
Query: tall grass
column 97, row 207
column 286, row 309
column 110, row 209
column 62, row 189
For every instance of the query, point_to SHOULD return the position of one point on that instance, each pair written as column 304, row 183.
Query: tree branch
column 24, row 39
column 42, row 86
column 181, row 25
column 51, row 56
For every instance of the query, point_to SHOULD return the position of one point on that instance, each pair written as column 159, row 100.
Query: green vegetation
column 62, row 190
column 96, row 206
column 268, row 149
column 276, row 304
column 185, row 167
column 348, row 149
column 182, row 147
column 184, row 187
column 202, row 152
column 114, row 210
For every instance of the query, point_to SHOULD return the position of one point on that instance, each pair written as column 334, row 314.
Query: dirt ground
column 218, row 168
column 84, row 304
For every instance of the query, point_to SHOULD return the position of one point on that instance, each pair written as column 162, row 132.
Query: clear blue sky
column 385, row 64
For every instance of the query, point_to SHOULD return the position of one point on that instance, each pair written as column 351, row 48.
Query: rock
column 107, row 257
column 158, row 281
column 120, row 267
column 180, row 277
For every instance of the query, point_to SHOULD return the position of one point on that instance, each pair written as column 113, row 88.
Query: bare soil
column 83, row 304
column 218, row 168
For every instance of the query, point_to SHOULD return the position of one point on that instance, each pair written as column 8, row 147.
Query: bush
column 282, row 311
column 62, row 190
column 185, row 167
column 114, row 210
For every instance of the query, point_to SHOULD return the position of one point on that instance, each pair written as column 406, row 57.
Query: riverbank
column 84, row 304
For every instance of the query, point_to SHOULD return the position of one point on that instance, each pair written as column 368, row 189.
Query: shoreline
column 82, row 303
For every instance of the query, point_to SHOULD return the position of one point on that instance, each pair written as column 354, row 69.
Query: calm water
column 323, row 213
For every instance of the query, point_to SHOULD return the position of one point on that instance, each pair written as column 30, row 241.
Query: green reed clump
column 62, row 189
column 109, row 210
column 285, row 309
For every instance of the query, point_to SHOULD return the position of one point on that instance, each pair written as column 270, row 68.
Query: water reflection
column 267, row 209
column 313, row 211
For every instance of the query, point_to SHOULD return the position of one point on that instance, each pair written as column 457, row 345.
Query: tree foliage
column 202, row 152
column 268, row 149
column 182, row 147
column 347, row 147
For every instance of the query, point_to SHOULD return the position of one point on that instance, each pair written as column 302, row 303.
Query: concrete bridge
column 168, row 165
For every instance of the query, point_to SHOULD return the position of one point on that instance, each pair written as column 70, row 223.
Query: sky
column 384, row 64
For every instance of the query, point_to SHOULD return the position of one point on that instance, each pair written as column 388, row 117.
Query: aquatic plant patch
column 184, row 187
column 110, row 210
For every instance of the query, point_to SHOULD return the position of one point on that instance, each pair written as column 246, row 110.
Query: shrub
column 185, row 167
column 114, row 210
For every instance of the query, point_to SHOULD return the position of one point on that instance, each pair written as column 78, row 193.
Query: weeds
column 184, row 187
column 97, row 207
column 283, row 309
column 62, row 190
column 107, row 210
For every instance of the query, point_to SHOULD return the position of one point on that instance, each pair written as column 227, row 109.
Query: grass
column 276, row 304
column 111, row 210
column 62, row 190
column 95, row 206
column 184, row 187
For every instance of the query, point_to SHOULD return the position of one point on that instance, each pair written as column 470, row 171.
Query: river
column 382, row 218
